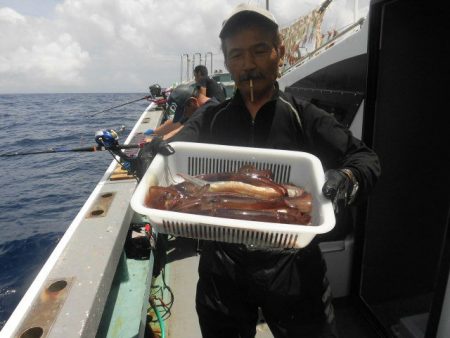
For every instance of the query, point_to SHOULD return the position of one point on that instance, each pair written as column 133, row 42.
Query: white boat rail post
column 187, row 67
column 181, row 69
column 211, row 61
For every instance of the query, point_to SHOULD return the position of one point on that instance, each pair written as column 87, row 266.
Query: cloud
column 33, row 56
column 8, row 15
column 116, row 45
column 60, row 60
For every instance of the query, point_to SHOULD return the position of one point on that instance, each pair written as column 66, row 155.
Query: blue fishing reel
column 107, row 138
column 136, row 165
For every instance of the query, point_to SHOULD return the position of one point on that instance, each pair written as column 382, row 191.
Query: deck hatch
column 45, row 309
column 101, row 205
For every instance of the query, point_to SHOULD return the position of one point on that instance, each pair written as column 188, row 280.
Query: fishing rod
column 105, row 139
column 66, row 150
column 124, row 104
column 108, row 140
column 155, row 90
column 98, row 147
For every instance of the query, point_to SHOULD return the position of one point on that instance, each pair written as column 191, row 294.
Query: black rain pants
column 288, row 285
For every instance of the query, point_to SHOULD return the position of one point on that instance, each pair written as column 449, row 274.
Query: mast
column 324, row 6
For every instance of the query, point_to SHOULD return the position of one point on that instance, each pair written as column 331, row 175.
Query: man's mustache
column 254, row 75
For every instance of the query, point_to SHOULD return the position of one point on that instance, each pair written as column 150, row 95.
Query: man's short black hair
column 201, row 70
column 246, row 21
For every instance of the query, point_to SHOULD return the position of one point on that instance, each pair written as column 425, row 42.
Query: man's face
column 251, row 54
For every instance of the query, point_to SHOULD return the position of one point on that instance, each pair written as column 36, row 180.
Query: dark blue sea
column 41, row 194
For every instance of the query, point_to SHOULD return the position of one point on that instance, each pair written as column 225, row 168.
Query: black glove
column 158, row 146
column 138, row 166
column 340, row 187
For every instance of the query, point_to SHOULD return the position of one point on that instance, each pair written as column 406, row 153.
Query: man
column 183, row 101
column 208, row 86
column 289, row 285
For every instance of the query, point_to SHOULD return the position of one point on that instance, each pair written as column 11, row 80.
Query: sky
column 106, row 46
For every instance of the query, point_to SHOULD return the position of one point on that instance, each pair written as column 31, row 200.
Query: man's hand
column 340, row 187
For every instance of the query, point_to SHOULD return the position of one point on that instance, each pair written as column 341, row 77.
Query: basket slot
column 275, row 240
column 247, row 236
column 251, row 237
column 202, row 231
column 229, row 235
column 281, row 173
column 203, row 165
column 284, row 240
column 293, row 240
column 214, row 233
column 233, row 234
column 264, row 237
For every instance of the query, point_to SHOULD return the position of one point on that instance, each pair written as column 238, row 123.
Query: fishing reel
column 135, row 165
column 108, row 138
column 155, row 90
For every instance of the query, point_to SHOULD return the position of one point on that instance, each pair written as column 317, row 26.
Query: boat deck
column 181, row 276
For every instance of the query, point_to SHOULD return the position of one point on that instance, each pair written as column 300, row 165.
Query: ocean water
column 41, row 194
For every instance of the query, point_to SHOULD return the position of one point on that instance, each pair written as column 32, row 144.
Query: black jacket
column 213, row 88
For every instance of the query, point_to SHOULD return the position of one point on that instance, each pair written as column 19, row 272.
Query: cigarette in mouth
column 251, row 90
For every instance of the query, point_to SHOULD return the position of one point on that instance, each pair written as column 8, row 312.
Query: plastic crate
column 299, row 168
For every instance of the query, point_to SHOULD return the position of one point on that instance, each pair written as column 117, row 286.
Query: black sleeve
column 195, row 129
column 213, row 89
column 338, row 148
column 183, row 119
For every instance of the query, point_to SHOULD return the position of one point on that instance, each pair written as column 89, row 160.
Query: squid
column 246, row 185
column 211, row 201
column 248, row 194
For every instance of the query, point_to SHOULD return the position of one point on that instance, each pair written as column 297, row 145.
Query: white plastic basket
column 294, row 167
